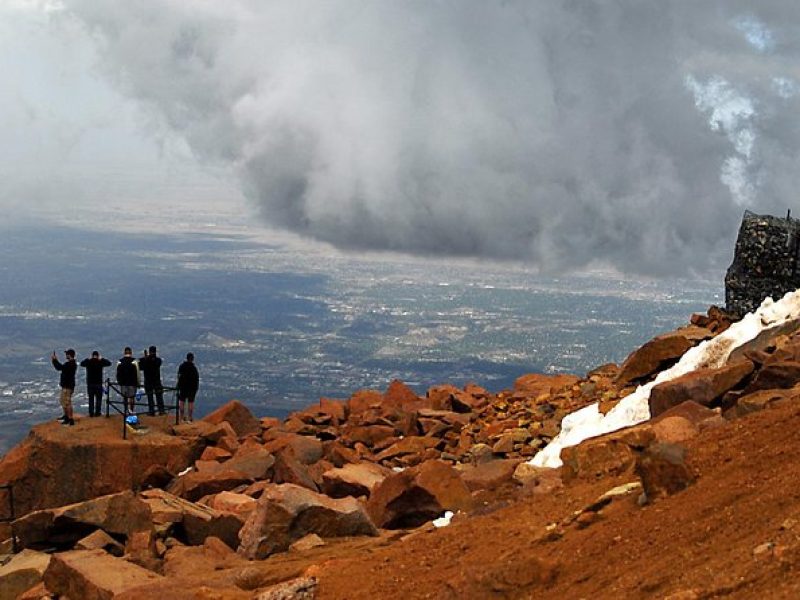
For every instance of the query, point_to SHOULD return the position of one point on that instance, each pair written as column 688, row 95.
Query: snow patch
column 633, row 409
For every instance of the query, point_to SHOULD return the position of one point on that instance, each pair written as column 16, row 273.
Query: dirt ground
column 734, row 534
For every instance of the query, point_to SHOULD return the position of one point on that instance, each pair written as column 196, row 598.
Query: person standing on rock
column 128, row 378
column 150, row 366
column 188, row 384
column 67, row 383
column 94, row 381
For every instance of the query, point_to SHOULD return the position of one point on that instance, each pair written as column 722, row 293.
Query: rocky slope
column 339, row 500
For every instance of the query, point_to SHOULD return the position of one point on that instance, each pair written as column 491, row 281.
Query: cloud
column 629, row 133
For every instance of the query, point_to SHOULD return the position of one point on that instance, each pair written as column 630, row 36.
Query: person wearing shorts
column 188, row 384
column 67, row 383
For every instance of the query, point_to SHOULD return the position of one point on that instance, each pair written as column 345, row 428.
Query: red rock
column 99, row 540
column 674, row 430
column 269, row 423
column 433, row 427
column 757, row 401
column 541, row 480
column 140, row 549
column 286, row 513
column 363, row 400
column 702, row 386
column 238, row 504
column 399, row 395
column 56, row 465
column 288, row 469
column 440, row 396
column 213, row 453
column 535, row 384
column 663, row 471
column 94, row 575
column 414, row 496
column 777, row 375
column 369, row 435
column 611, row 454
column 353, row 480
column 22, row 572
column 463, row 402
column 656, row 355
column 196, row 484
column 504, row 444
column 338, row 454
column 121, row 513
column 228, row 443
column 192, row 522
column 408, row 445
column 307, row 450
column 489, row 475
column 335, row 408
column 239, row 417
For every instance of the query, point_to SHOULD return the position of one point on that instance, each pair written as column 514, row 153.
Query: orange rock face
column 62, row 465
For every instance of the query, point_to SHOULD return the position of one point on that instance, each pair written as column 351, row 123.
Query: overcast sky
column 627, row 133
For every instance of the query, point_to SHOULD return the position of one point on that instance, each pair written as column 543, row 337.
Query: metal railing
column 118, row 399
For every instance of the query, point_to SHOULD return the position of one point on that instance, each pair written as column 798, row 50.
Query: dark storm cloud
column 631, row 133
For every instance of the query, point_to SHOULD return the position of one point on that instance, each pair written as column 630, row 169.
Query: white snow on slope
column 590, row 422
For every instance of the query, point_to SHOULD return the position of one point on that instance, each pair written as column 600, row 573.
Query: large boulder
column 121, row 514
column 416, row 495
column 94, row 575
column 239, row 417
column 703, row 386
column 610, row 454
column 22, row 572
column 287, row 512
column 654, row 356
column 56, row 465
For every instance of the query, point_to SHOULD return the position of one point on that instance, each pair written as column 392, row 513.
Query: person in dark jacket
column 67, row 383
column 94, row 381
column 150, row 366
column 188, row 384
column 128, row 378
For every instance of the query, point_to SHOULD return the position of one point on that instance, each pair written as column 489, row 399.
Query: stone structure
column 765, row 262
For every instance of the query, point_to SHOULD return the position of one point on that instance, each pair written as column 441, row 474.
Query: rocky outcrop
column 765, row 262
column 56, row 465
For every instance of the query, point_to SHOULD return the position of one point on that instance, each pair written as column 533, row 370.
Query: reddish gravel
column 734, row 534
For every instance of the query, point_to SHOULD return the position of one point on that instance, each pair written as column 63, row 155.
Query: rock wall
column 765, row 262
